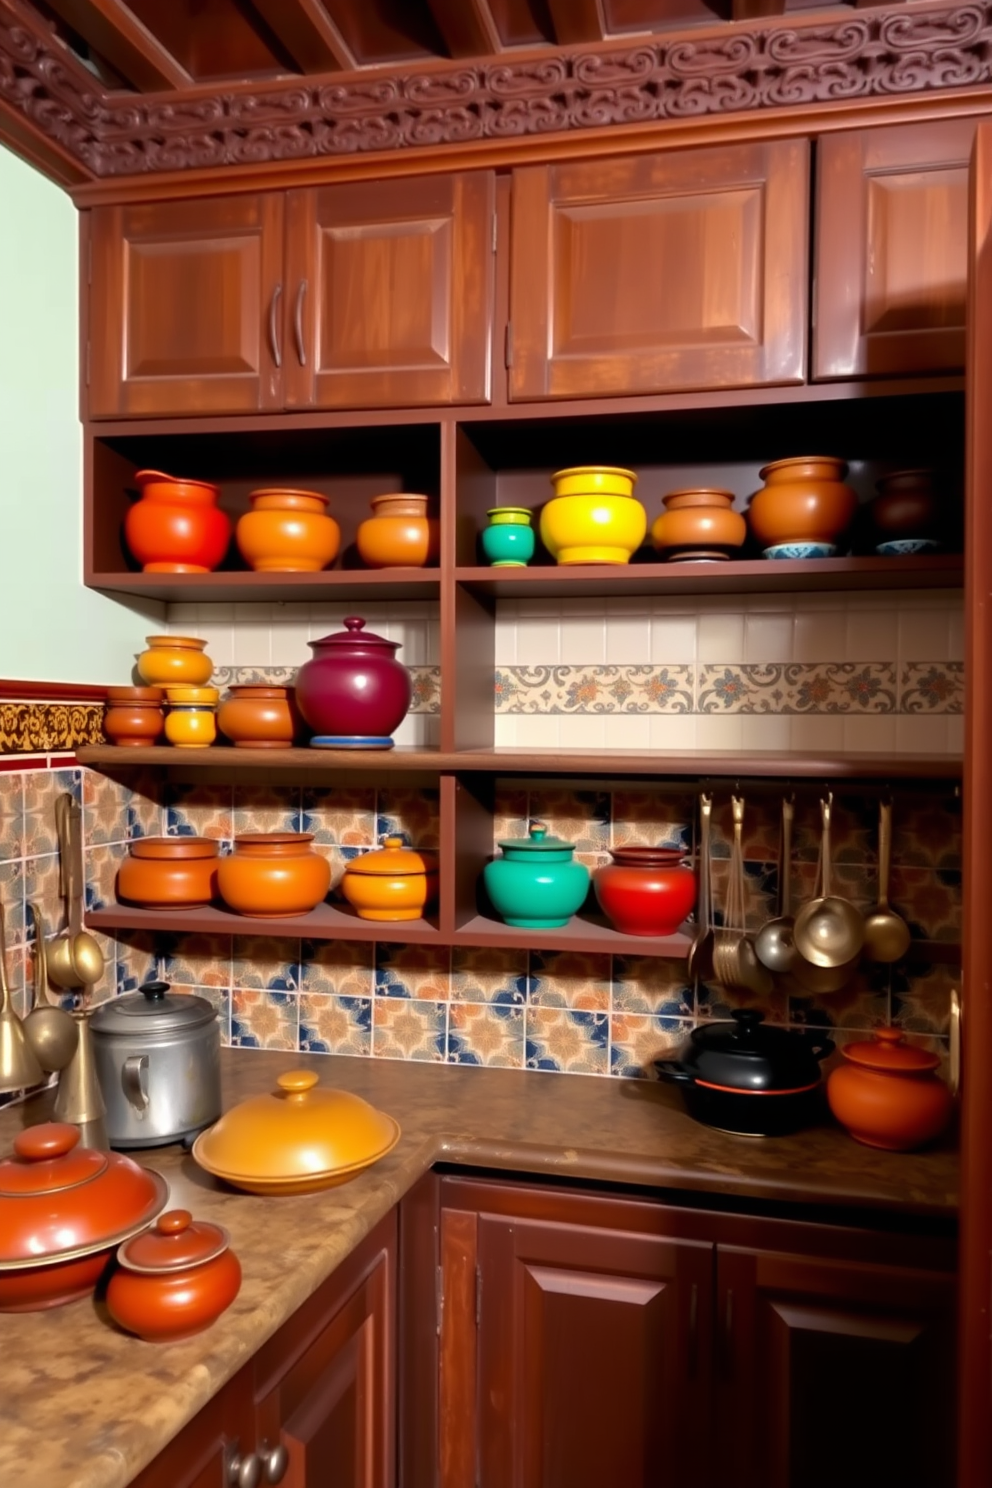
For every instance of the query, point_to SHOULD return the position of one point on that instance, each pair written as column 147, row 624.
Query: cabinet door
column 831, row 1371
column 592, row 1357
column 891, row 250
column 658, row 272
column 391, row 286
column 185, row 313
column 211, row 1447
column 330, row 1403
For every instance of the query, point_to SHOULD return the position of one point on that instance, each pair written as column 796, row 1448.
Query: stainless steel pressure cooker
column 157, row 1056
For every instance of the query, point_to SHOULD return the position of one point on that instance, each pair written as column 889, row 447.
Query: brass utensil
column 829, row 931
column 74, row 958
column 80, row 1099
column 699, row 962
column 734, row 960
column 887, row 936
column 49, row 1030
column 774, row 945
column 19, row 1067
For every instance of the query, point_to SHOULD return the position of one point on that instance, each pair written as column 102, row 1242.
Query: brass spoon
column 699, row 962
column 773, row 944
column 74, row 959
column 829, row 931
column 19, row 1068
column 49, row 1030
column 887, row 935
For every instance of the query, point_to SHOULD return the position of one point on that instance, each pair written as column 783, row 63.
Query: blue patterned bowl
column 801, row 550
column 903, row 547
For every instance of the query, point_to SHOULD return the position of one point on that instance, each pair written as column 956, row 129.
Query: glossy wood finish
column 114, row 31
column 418, row 1333
column 390, row 293
column 202, row 1454
column 181, row 296
column 675, row 270
column 891, row 250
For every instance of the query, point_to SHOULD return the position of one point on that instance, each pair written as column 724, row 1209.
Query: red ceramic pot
column 176, row 526
column 174, row 1280
column 354, row 693
column 646, row 890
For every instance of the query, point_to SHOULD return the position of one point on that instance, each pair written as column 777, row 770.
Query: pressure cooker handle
column 134, row 1078
column 154, row 991
column 671, row 1071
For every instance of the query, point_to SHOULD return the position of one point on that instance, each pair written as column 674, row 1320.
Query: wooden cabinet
column 891, row 250
column 377, row 295
column 652, row 273
column 212, row 1447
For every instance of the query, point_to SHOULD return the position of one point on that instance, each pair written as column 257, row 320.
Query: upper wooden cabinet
column 891, row 250
column 375, row 295
column 652, row 273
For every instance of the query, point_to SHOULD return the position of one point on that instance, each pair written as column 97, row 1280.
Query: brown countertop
column 84, row 1406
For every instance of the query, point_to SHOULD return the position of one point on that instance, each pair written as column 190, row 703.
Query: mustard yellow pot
column 393, row 882
column 191, row 722
column 175, row 661
column 592, row 517
column 594, row 480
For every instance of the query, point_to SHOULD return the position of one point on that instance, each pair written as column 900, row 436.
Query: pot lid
column 394, row 857
column 173, row 847
column 154, row 1008
column 149, row 477
column 746, row 1056
column 354, row 638
column 59, row 1200
column 888, row 1051
column 537, row 840
column 297, row 1131
column 649, row 857
column 174, row 1243
column 186, row 696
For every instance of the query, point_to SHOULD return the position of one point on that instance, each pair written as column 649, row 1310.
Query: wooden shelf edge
column 394, row 583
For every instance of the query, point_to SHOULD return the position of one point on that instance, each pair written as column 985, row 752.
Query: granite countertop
column 85, row 1406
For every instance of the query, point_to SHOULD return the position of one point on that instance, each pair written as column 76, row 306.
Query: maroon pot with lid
column 354, row 693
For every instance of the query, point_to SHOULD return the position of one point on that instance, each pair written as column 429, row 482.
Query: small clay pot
column 803, row 500
column 394, row 882
column 259, row 717
column 646, row 890
column 906, row 506
column 175, row 1280
column 399, row 534
column 698, row 524
column 191, row 722
column 134, row 716
column 887, row 1095
column 169, row 872
column 273, row 875
column 288, row 532
column 175, row 661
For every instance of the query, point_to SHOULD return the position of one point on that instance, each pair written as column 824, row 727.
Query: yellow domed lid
column 181, row 695
column 394, row 857
column 297, row 1131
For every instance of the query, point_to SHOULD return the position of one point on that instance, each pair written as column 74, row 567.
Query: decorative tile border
column 40, row 728
column 594, row 689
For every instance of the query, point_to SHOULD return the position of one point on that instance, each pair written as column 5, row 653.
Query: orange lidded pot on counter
column 174, row 1280
column 273, row 875
column 393, row 882
column 887, row 1095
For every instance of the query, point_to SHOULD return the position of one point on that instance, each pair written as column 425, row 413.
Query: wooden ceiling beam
column 467, row 26
column 130, row 48
column 577, row 21
column 309, row 35
column 752, row 10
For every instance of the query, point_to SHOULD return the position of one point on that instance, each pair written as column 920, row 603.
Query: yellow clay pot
column 175, row 661
column 594, row 480
column 593, row 529
column 392, row 883
column 191, row 722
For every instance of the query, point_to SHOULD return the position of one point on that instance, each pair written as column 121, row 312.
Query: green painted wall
column 51, row 628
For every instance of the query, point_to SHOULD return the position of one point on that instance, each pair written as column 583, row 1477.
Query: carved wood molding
column 874, row 54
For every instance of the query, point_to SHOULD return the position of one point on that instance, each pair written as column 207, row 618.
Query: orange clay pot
column 288, row 532
column 394, row 882
column 273, row 875
column 259, row 717
column 134, row 716
column 698, row 524
column 399, row 534
column 802, row 500
column 169, row 872
column 175, row 1280
column 176, row 526
column 887, row 1094
column 175, row 661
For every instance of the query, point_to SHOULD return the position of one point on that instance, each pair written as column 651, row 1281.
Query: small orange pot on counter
column 887, row 1095
column 393, row 882
column 169, row 872
column 174, row 1280
column 273, row 875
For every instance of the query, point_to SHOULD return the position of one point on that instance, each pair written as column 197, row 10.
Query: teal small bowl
column 508, row 545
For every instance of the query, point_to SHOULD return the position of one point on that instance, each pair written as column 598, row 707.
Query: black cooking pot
column 747, row 1079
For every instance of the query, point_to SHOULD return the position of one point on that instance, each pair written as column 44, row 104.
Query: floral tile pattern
column 926, row 832
column 41, row 789
column 567, row 1039
column 264, row 1020
column 264, row 961
column 510, row 811
column 650, row 984
column 412, row 971
column 269, row 808
column 932, row 687
column 342, row 815
column 403, row 1029
column 101, row 865
column 481, row 974
column 594, row 689
column 863, row 1003
column 637, row 1039
column 332, row 1024
column 145, row 809
column 655, row 817
column 570, row 979
column 105, row 808
column 12, row 818
column 490, row 1033
column 797, row 687
column 339, row 968
column 577, row 816
column 196, row 960
column 199, row 811
column 929, row 902
column 921, row 996
column 40, row 883
column 413, row 814
column 714, row 1000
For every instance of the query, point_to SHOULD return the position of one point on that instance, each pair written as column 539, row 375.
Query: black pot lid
column 746, row 1056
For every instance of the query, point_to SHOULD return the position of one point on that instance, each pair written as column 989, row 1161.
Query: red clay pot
column 887, row 1094
column 646, row 890
column 134, row 716
column 176, row 526
column 174, row 1280
column 255, row 717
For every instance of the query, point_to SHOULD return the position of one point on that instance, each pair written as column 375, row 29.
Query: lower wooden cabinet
column 212, row 1450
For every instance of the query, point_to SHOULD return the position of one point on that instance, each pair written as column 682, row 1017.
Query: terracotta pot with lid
column 354, row 694
column 887, row 1094
column 169, row 872
column 175, row 1279
column 63, row 1210
column 296, row 1140
column 393, row 882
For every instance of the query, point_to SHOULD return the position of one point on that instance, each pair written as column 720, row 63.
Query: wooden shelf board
column 741, row 576
column 326, row 922
column 331, row 584
column 580, row 934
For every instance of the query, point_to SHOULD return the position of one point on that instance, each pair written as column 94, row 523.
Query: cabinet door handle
column 243, row 1468
column 274, row 1462
column 301, row 350
column 693, row 1328
column 275, row 342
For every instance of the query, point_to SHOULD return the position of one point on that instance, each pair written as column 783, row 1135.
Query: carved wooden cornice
column 865, row 55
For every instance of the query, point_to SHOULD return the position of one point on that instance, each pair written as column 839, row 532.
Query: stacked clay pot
column 133, row 716
column 593, row 516
column 176, row 526
column 287, row 531
column 175, row 661
column 399, row 534
column 273, row 875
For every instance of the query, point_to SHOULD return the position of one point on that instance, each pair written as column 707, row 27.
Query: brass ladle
column 734, row 960
column 829, row 931
column 49, row 1030
column 699, row 962
column 887, row 935
column 74, row 958
column 774, row 945
column 19, row 1068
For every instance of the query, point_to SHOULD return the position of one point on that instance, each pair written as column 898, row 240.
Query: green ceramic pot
column 508, row 541
column 536, row 884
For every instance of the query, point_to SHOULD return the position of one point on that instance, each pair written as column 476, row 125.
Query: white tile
column 766, row 731
column 288, row 642
column 538, row 641
column 673, row 639
column 628, row 640
column 220, row 642
column 627, row 731
column 819, row 635
column 583, row 642
column 872, row 635
column 673, row 731
column 768, row 637
column 918, row 734
column 325, row 619
column 505, row 732
column 415, row 730
column 252, row 641
column 180, row 616
column 955, row 733
column 627, row 604
column 816, row 734
column 872, row 734
column 714, row 732
column 924, row 635
column 505, row 641
column 433, row 657
column 581, row 731
column 538, row 732
column 720, row 637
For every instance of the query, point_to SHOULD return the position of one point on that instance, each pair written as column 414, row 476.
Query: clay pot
column 175, row 661
column 169, row 872
column 803, row 500
column 259, row 717
column 273, row 875
column 646, row 890
column 176, row 526
column 287, row 532
column 394, row 882
column 593, row 518
column 399, row 534
column 191, row 722
column 887, row 1094
column 536, row 884
column 63, row 1210
column 698, row 523
column 508, row 541
column 353, row 693
column 906, row 506
column 175, row 1280
column 134, row 716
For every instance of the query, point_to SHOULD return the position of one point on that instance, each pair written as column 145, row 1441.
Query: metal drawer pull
column 243, row 1470
column 274, row 1462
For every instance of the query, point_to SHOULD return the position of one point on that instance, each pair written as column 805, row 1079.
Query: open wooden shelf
column 582, row 933
column 246, row 587
column 326, row 922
